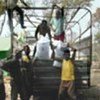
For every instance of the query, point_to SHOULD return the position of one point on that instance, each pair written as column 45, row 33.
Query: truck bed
column 47, row 77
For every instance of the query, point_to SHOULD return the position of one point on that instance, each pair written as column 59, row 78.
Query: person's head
column 58, row 13
column 44, row 22
column 26, row 49
column 66, row 53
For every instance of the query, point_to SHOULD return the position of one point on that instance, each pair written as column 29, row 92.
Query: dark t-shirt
column 13, row 67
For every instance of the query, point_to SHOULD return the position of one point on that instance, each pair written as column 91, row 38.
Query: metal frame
column 77, row 9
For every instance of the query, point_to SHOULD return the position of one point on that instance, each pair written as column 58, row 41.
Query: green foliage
column 97, row 37
column 2, row 7
column 66, row 3
column 82, row 2
column 96, row 15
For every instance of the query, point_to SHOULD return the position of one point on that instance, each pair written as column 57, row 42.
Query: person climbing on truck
column 11, row 5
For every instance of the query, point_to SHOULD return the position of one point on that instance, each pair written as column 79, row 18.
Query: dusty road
column 92, row 93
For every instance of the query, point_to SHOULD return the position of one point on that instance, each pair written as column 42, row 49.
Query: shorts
column 60, row 37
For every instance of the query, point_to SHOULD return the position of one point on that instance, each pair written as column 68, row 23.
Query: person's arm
column 74, row 51
column 7, row 65
column 58, row 59
column 49, row 33
column 34, row 51
column 50, row 37
column 53, row 6
column 24, row 3
column 51, row 24
column 74, row 54
column 36, row 33
column 62, row 11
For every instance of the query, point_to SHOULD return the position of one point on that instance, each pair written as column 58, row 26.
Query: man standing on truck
column 67, row 75
column 57, row 23
column 43, row 29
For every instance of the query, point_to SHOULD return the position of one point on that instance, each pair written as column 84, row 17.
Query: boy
column 67, row 75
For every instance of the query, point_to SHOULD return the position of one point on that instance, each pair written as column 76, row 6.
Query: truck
column 46, row 78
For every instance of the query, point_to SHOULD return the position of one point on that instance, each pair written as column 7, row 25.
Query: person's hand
column 75, row 49
column 53, row 52
column 53, row 6
column 68, row 45
column 62, row 7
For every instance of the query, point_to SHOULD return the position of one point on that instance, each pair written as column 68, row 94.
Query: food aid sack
column 58, row 54
column 42, row 48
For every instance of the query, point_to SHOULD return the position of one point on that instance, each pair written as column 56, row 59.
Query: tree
column 96, row 24
column 96, row 19
column 96, row 15
column 97, row 38
column 2, row 7
column 66, row 3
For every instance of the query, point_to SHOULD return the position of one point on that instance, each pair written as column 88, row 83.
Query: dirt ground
column 92, row 93
column 8, row 89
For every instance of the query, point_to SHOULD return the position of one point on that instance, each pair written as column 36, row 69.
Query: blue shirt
column 57, row 25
